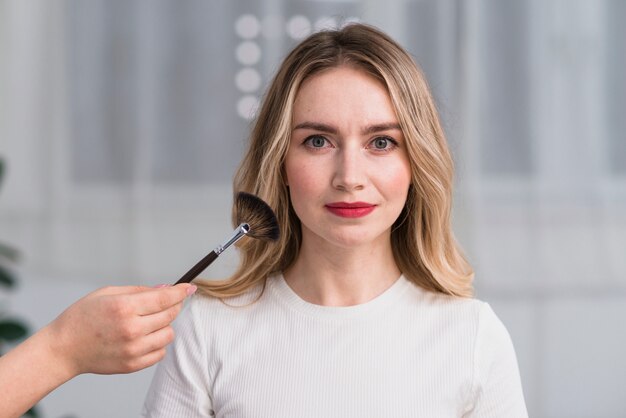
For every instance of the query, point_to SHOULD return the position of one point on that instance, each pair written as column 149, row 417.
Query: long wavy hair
column 423, row 244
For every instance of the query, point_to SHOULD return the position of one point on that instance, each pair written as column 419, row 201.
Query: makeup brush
column 255, row 218
column 258, row 215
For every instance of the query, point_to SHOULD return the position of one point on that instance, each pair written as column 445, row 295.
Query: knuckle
column 168, row 335
column 172, row 314
column 118, row 307
column 130, row 331
column 158, row 356
column 130, row 366
column 128, row 353
column 164, row 301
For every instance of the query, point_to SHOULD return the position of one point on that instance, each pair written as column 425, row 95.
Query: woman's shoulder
column 211, row 314
column 218, row 323
column 472, row 314
column 468, row 319
column 431, row 300
column 203, row 302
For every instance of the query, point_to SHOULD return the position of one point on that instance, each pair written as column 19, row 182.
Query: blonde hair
column 423, row 245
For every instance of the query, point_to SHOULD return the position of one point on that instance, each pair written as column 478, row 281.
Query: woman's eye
column 315, row 141
column 383, row 143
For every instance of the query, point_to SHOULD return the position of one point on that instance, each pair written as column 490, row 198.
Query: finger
column 155, row 341
column 156, row 321
column 157, row 300
column 147, row 360
column 120, row 290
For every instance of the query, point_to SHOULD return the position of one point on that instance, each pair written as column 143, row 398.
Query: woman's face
column 347, row 166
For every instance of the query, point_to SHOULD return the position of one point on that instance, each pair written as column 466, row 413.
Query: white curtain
column 122, row 123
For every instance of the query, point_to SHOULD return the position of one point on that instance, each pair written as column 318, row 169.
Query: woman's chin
column 353, row 240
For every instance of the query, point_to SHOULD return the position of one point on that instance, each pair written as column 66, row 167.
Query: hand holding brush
column 255, row 218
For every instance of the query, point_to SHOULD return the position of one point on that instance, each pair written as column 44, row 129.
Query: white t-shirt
column 407, row 353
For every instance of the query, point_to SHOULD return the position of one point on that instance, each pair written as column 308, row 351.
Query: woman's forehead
column 340, row 94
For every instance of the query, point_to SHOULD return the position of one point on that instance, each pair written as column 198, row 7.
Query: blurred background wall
column 122, row 123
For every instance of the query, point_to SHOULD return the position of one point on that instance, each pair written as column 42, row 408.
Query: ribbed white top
column 406, row 353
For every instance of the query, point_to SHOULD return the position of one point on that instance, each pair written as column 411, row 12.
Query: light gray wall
column 122, row 123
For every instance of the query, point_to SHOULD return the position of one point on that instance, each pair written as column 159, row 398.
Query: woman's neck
column 335, row 276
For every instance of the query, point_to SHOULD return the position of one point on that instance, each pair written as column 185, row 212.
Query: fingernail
column 159, row 286
column 191, row 289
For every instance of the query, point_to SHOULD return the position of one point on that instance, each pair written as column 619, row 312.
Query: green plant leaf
column 12, row 330
column 6, row 277
column 32, row 412
column 9, row 252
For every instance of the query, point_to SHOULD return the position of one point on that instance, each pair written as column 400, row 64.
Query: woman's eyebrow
column 316, row 126
column 322, row 127
column 379, row 127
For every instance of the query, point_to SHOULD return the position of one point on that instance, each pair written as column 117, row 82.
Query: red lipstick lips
column 350, row 209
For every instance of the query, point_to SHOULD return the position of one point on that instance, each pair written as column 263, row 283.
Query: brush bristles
column 256, row 213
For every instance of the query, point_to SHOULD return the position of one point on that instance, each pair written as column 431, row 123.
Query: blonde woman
column 364, row 307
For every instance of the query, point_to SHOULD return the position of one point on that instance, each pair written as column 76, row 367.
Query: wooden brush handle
column 198, row 268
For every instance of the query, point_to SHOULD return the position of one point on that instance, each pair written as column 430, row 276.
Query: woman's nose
column 350, row 170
